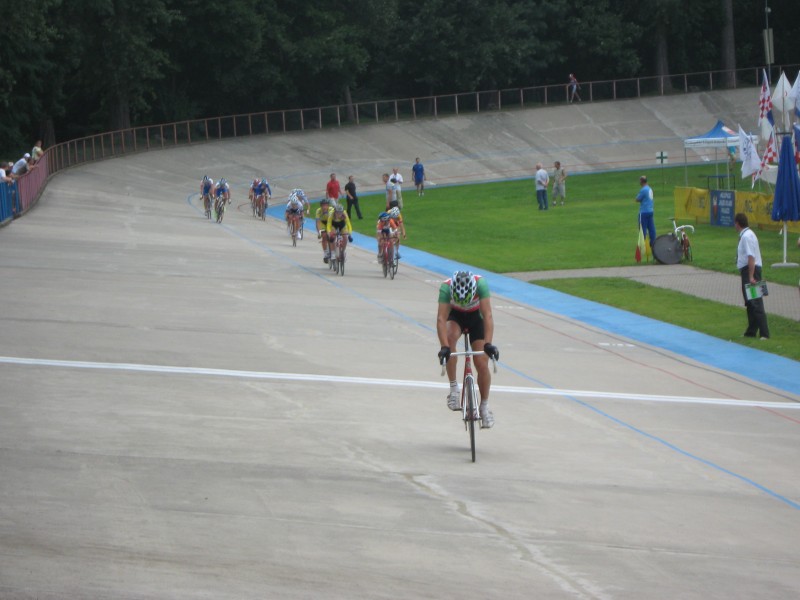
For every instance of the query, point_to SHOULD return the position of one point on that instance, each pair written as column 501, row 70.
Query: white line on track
column 72, row 364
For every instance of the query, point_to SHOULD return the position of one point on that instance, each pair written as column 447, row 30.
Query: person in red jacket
column 333, row 190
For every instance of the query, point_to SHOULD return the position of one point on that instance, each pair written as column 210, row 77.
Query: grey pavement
column 191, row 410
column 783, row 300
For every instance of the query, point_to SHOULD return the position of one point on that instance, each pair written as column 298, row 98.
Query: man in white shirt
column 542, row 180
column 748, row 261
column 398, row 184
column 21, row 166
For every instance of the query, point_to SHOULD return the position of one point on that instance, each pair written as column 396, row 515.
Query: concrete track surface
column 191, row 410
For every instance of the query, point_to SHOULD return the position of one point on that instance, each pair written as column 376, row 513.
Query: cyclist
column 465, row 303
column 252, row 194
column 205, row 191
column 322, row 216
column 395, row 215
column 222, row 193
column 338, row 220
column 297, row 204
column 385, row 232
column 265, row 189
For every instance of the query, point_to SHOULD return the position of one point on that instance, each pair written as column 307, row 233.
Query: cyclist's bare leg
column 453, row 335
column 482, row 367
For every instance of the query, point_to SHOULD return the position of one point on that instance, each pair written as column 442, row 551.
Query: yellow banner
column 693, row 203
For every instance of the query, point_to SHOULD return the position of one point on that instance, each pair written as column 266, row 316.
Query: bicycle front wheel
column 341, row 262
column 667, row 249
column 471, row 412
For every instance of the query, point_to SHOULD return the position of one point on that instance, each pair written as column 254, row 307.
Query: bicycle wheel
column 341, row 261
column 395, row 262
column 667, row 249
column 472, row 413
column 385, row 263
column 220, row 212
column 263, row 208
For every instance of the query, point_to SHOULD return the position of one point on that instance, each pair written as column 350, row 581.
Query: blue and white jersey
column 207, row 185
column 221, row 189
column 298, row 195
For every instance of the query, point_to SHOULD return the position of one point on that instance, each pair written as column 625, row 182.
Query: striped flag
column 770, row 156
column 765, row 119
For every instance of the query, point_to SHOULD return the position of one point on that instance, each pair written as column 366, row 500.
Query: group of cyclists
column 219, row 192
column 464, row 299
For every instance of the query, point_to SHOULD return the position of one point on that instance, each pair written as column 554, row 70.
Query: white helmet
column 463, row 287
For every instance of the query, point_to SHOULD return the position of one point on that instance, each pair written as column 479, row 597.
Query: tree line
column 72, row 68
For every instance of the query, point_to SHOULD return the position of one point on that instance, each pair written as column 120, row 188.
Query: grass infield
column 498, row 227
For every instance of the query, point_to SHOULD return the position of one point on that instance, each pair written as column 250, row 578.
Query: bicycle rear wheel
column 341, row 261
column 687, row 249
column 385, row 263
column 667, row 249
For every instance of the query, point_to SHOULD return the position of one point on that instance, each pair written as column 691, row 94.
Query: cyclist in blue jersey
column 206, row 185
column 222, row 193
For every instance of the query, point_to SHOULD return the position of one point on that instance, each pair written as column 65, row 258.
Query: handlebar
column 469, row 353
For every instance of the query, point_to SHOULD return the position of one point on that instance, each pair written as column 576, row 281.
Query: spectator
column 21, row 166
column 748, row 262
column 398, row 181
column 542, row 179
column 574, row 86
column 559, row 183
column 418, row 170
column 333, row 189
column 3, row 177
column 646, row 210
column 391, row 191
column 37, row 152
column 352, row 197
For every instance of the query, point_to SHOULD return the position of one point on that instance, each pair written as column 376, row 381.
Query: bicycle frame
column 470, row 401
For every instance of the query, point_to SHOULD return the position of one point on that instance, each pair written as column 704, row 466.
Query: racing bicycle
column 338, row 254
column 389, row 256
column 672, row 248
column 470, row 399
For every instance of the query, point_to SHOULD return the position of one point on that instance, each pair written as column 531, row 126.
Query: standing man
column 465, row 303
column 559, row 184
column 748, row 261
column 418, row 173
column 333, row 189
column 645, row 200
column 352, row 198
column 574, row 86
column 398, row 182
column 391, row 191
column 542, row 180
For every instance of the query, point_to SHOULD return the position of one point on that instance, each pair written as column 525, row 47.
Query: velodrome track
column 191, row 410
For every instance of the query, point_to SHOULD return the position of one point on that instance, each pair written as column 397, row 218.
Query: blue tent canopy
column 719, row 136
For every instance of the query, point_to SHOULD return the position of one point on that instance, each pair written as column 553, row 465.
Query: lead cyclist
column 465, row 303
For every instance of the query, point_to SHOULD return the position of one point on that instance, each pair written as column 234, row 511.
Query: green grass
column 497, row 227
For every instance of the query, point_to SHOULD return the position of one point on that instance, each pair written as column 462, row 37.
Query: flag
column 765, row 119
column 770, row 155
column 781, row 102
column 794, row 96
column 748, row 154
column 640, row 245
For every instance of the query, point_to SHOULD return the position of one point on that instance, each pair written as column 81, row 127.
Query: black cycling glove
column 444, row 355
column 492, row 351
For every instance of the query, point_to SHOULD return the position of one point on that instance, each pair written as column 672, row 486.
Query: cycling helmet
column 264, row 180
column 223, row 181
column 338, row 209
column 463, row 287
column 384, row 216
column 324, row 201
column 394, row 213
column 205, row 178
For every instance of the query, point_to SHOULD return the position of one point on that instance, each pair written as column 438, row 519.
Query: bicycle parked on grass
column 672, row 248
column 470, row 400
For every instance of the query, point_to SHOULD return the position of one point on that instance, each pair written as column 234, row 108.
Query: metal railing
column 168, row 135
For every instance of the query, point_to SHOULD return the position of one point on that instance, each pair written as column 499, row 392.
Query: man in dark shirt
column 352, row 198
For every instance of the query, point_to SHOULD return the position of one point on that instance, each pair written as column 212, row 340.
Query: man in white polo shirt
column 748, row 261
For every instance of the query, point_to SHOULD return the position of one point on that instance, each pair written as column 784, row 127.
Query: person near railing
column 36, row 152
column 574, row 86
